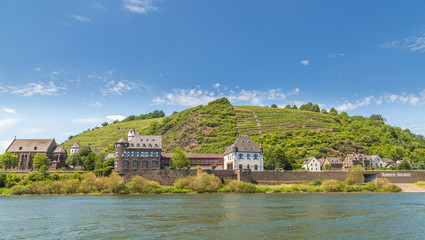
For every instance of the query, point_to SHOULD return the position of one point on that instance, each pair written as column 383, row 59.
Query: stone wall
column 401, row 176
column 277, row 177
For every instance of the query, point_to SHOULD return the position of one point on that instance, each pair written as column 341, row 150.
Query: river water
column 215, row 216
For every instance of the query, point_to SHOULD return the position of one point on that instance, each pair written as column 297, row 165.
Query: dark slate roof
column 308, row 160
column 243, row 143
column 321, row 161
column 76, row 145
column 195, row 155
column 31, row 145
column 146, row 142
column 334, row 160
column 122, row 140
column 387, row 160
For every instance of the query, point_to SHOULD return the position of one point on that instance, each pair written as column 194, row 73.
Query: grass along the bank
column 88, row 183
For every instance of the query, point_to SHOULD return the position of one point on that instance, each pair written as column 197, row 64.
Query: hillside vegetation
column 210, row 128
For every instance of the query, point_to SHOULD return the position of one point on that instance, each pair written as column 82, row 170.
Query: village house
column 375, row 162
column 311, row 164
column 26, row 149
column 352, row 160
column 243, row 154
column 204, row 160
column 335, row 162
column 75, row 148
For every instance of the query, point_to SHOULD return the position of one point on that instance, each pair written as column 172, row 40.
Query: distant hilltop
column 301, row 133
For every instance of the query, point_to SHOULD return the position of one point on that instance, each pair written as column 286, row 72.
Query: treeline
column 90, row 161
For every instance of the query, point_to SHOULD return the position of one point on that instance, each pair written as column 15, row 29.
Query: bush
column 371, row 187
column 181, row 183
column 331, row 185
column 380, row 182
column 391, row 188
column 88, row 183
column 204, row 183
column 142, row 185
column 116, row 184
column 69, row 186
column 101, row 185
column 316, row 182
column 240, row 187
column 18, row 190
column 12, row 179
column 356, row 187
column 3, row 180
column 54, row 187
column 37, row 188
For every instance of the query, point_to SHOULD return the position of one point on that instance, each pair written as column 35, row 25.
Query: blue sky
column 67, row 66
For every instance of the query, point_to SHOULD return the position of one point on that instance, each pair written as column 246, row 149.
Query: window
column 154, row 154
column 145, row 164
column 20, row 148
column 116, row 164
column 125, row 164
column 137, row 154
column 138, row 145
column 132, row 145
column 150, row 145
column 154, row 165
column 240, row 166
column 247, row 166
column 255, row 156
column 240, row 156
column 35, row 148
column 116, row 154
column 255, row 167
column 144, row 154
column 132, row 154
column 156, row 145
column 135, row 164
column 248, row 156
column 118, row 145
column 144, row 145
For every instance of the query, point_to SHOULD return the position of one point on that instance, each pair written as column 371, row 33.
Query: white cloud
column 118, row 88
column 8, row 122
column 304, row 62
column 80, row 18
column 40, row 88
column 335, row 55
column 359, row 103
column 217, row 85
column 9, row 110
column 96, row 104
column 87, row 120
column 33, row 131
column 139, row 6
column 55, row 73
column 115, row 117
column 413, row 43
column 198, row 96
column 37, row 69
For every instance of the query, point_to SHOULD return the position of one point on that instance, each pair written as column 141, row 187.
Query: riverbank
column 88, row 183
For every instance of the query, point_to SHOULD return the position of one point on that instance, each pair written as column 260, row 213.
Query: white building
column 375, row 161
column 75, row 148
column 312, row 164
column 132, row 134
column 243, row 154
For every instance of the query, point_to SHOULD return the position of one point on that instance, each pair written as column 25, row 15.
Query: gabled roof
column 243, row 143
column 146, row 142
column 122, row 140
column 334, row 160
column 59, row 149
column 321, row 161
column 31, row 145
column 387, row 160
column 309, row 159
column 76, row 145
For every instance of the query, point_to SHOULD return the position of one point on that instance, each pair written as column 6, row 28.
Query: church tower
column 132, row 134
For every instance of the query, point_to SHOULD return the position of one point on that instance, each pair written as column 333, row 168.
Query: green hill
column 210, row 128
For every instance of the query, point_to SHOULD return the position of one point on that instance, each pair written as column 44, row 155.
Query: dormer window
column 147, row 140
column 141, row 140
column 153, row 140
column 35, row 148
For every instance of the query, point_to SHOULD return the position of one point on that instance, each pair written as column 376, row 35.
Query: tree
column 104, row 124
column 324, row 111
column 84, row 150
column 214, row 166
column 179, row 159
column 295, row 107
column 355, row 175
column 8, row 160
column 288, row 106
column 74, row 160
column 327, row 166
column 89, row 162
column 40, row 160
column 273, row 106
column 404, row 165
column 100, row 159
column 333, row 111
column 310, row 107
column 274, row 157
column 377, row 117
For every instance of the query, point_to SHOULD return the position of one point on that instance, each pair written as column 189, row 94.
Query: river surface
column 215, row 216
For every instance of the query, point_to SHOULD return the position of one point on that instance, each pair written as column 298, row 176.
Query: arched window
column 156, row 145
column 144, row 145
column 138, row 145
column 154, row 165
column 135, row 164
column 125, row 164
column 35, row 148
column 150, row 145
column 145, row 164
column 132, row 145
column 20, row 148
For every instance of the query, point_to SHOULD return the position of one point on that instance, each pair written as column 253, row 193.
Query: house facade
column 75, row 148
column 375, row 162
column 139, row 154
column 26, row 149
column 311, row 164
column 335, row 162
column 352, row 160
column 243, row 154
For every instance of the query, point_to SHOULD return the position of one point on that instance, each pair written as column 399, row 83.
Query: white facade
column 311, row 164
column 243, row 160
column 376, row 162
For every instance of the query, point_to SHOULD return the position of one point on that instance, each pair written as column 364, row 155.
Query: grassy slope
column 210, row 128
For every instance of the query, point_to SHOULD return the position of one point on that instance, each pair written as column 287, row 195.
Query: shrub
column 181, row 183
column 303, row 188
column 116, row 183
column 70, row 186
column 55, row 177
column 331, row 185
column 314, row 189
column 240, row 187
column 142, row 185
column 101, row 185
column 356, row 187
column 18, row 190
column 204, row 183
column 370, row 186
column 76, row 176
column 355, row 175
column 12, row 179
column 54, row 187
column 37, row 188
column 88, row 183
column 316, row 182
column 3, row 180
column 391, row 188
column 380, row 182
